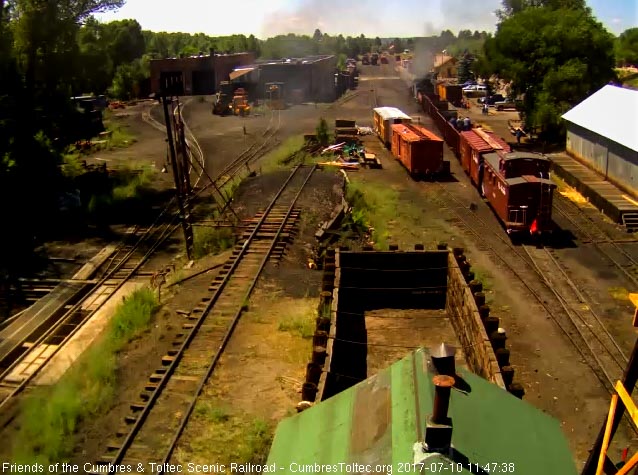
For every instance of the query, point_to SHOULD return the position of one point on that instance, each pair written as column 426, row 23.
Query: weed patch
column 303, row 325
column 49, row 416
column 212, row 241
column 288, row 153
column 227, row 437
column 374, row 206
column 131, row 183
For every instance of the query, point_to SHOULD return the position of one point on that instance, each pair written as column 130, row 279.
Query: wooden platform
column 607, row 197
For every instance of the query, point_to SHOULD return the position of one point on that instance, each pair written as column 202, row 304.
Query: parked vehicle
column 474, row 87
column 505, row 104
column 490, row 100
column 374, row 59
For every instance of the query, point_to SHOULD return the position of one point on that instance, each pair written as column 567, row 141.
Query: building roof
column 441, row 59
column 611, row 112
column 381, row 421
column 415, row 133
column 238, row 72
column 294, row 61
column 391, row 113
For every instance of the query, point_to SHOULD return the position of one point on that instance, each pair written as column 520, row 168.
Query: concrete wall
column 615, row 162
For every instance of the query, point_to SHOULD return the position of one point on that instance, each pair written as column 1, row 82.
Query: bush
column 323, row 135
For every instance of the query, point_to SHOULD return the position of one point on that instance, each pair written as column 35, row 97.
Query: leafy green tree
column 317, row 36
column 627, row 47
column 512, row 7
column 555, row 58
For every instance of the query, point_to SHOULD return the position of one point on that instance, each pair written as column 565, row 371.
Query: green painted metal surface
column 375, row 427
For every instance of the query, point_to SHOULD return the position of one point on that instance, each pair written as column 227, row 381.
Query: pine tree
column 465, row 68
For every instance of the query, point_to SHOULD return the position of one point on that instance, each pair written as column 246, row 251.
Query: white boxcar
column 384, row 117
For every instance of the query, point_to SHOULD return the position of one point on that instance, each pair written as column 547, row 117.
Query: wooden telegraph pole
column 182, row 198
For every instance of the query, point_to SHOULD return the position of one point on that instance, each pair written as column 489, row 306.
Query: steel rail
column 608, row 383
column 168, row 229
column 154, row 395
column 69, row 314
column 561, row 209
column 237, row 316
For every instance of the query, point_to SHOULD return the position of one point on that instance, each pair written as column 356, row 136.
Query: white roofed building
column 602, row 132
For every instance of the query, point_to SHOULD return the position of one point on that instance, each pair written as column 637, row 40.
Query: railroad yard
column 225, row 357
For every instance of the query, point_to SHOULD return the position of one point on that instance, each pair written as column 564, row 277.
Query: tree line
column 554, row 52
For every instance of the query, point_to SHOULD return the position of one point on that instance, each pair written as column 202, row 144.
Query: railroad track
column 540, row 272
column 156, row 422
column 26, row 358
column 21, row 364
column 589, row 232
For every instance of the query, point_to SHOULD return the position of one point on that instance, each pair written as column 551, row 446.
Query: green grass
column 72, row 165
column 226, row 436
column 120, row 136
column 483, row 277
column 131, row 184
column 299, row 319
column 49, row 416
column 282, row 156
column 303, row 326
column 373, row 205
column 212, row 241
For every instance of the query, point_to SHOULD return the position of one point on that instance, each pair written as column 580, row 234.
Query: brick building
column 201, row 74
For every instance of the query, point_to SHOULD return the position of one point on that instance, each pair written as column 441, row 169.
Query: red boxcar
column 474, row 144
column 518, row 188
column 419, row 150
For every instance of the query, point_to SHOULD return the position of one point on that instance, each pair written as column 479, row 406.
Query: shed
column 601, row 132
column 381, row 424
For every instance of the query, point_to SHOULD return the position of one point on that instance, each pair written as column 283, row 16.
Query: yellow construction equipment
column 240, row 103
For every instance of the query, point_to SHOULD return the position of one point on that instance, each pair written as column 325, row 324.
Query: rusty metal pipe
column 442, row 388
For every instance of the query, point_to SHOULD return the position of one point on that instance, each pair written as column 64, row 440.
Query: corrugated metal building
column 310, row 79
column 382, row 424
column 601, row 132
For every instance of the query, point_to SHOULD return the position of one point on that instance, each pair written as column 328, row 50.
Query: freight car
column 384, row 118
column 473, row 145
column 419, row 150
column 516, row 185
column 519, row 190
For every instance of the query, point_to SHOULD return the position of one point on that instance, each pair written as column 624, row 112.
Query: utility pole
column 184, row 215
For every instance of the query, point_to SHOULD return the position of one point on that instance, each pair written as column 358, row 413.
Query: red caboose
column 419, row 150
column 474, row 144
column 518, row 188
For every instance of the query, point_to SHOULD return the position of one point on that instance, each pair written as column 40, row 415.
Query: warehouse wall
column 303, row 82
column 617, row 163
